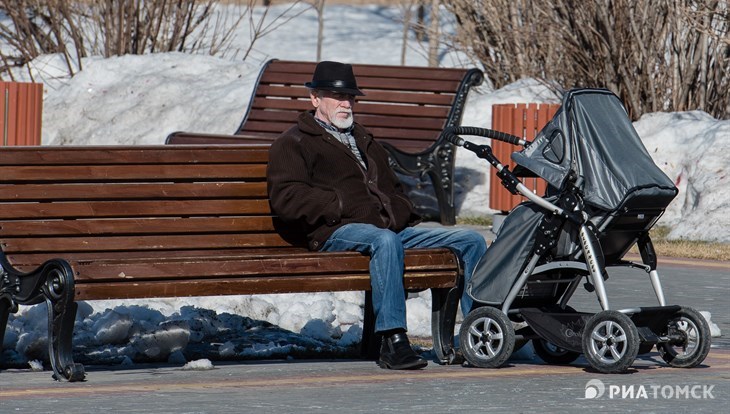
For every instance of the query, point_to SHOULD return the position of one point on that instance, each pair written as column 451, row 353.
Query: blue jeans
column 385, row 249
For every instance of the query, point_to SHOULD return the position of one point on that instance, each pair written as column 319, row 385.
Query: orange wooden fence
column 522, row 120
column 21, row 110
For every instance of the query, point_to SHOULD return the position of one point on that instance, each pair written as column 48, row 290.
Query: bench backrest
column 404, row 106
column 77, row 202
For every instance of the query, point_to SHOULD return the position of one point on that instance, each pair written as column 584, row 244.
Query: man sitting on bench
column 327, row 175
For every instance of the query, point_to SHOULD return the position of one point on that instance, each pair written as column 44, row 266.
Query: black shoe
column 396, row 353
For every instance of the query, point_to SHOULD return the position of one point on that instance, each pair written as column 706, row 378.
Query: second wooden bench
column 406, row 108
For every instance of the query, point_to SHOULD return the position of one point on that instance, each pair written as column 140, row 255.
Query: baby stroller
column 604, row 195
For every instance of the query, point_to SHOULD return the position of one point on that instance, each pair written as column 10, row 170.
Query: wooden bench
column 85, row 223
column 405, row 107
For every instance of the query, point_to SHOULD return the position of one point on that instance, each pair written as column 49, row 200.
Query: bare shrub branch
column 79, row 28
column 671, row 55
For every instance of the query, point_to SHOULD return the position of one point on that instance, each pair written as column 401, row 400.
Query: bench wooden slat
column 281, row 91
column 363, row 108
column 405, row 134
column 382, row 133
column 78, row 259
column 138, row 226
column 122, row 173
column 416, row 98
column 262, row 285
column 273, row 115
column 285, row 119
column 413, row 257
column 368, row 82
column 414, row 147
column 99, row 209
column 275, row 265
column 413, row 84
column 124, row 191
column 90, row 155
column 27, row 261
column 408, row 145
column 393, row 96
column 417, row 112
column 294, row 105
column 272, row 127
column 195, row 138
column 403, row 122
column 146, row 243
column 296, row 79
column 376, row 70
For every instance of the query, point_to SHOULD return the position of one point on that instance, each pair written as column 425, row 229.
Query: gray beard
column 342, row 123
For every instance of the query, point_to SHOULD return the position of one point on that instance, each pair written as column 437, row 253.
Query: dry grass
column 485, row 221
column 686, row 248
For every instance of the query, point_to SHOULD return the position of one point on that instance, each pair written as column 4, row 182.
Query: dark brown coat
column 315, row 182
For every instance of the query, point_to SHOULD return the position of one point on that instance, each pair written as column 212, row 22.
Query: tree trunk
column 433, row 35
column 320, row 27
column 407, row 14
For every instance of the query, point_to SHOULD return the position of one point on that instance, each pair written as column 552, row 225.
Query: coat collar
column 309, row 125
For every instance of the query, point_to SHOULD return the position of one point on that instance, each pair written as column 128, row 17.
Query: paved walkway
column 362, row 387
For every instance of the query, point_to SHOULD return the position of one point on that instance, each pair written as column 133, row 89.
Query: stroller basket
column 543, row 287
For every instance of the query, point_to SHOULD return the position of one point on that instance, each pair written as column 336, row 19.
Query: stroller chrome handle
column 539, row 200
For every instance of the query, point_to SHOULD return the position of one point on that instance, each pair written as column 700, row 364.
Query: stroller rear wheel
column 610, row 342
column 553, row 354
column 487, row 337
column 694, row 345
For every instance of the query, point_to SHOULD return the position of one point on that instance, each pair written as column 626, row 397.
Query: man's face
column 333, row 108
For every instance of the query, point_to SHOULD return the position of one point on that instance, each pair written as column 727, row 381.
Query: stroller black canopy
column 592, row 135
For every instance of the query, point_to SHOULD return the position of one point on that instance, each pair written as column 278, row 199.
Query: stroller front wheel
column 610, row 342
column 487, row 337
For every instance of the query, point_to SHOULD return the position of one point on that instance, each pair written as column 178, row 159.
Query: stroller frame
column 611, row 339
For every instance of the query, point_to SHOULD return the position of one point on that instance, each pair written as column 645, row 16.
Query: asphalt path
column 524, row 385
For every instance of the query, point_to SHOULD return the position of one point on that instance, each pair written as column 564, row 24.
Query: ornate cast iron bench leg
column 5, row 309
column 53, row 283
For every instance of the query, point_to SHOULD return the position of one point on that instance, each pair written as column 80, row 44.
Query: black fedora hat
column 335, row 77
